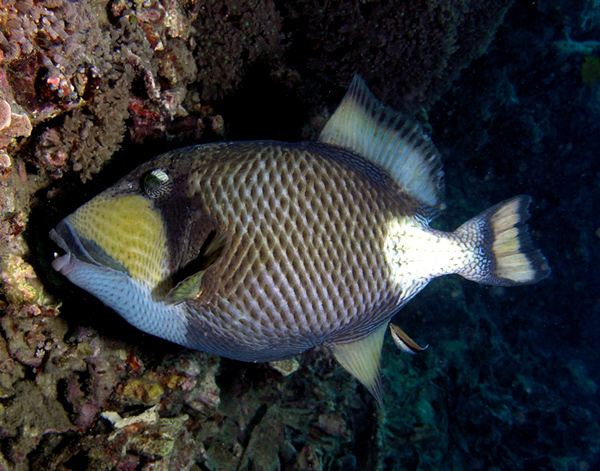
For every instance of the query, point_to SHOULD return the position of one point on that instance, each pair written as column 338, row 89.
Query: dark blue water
column 514, row 373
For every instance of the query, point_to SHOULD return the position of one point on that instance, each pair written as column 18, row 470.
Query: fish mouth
column 61, row 263
column 64, row 236
column 78, row 251
column 75, row 253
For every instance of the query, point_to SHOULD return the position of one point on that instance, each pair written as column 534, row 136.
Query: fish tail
column 501, row 250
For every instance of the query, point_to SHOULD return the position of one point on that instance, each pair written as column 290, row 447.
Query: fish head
column 121, row 230
column 119, row 245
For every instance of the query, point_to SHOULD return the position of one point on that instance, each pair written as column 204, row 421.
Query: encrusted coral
column 123, row 406
column 232, row 36
column 60, row 64
column 90, row 134
column 12, row 124
column 49, row 54
column 73, row 67
column 409, row 52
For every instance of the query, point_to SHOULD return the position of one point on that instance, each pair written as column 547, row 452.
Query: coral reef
column 123, row 407
column 56, row 59
column 81, row 69
column 233, row 35
column 12, row 125
column 73, row 68
column 409, row 52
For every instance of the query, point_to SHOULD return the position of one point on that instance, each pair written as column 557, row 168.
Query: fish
column 260, row 250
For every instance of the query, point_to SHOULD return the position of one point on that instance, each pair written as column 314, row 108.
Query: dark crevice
column 256, row 419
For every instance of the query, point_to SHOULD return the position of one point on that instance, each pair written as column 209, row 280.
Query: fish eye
column 156, row 183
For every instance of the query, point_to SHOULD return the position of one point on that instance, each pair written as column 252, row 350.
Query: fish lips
column 75, row 253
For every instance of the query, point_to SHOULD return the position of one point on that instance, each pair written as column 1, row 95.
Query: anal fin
column 361, row 359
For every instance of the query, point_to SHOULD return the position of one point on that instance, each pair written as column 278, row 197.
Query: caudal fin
column 504, row 254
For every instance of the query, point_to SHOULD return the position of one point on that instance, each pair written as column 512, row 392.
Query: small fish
column 258, row 251
column 404, row 342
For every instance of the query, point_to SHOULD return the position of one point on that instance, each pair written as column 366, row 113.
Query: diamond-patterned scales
column 305, row 262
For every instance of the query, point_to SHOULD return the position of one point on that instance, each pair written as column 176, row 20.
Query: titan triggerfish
column 260, row 250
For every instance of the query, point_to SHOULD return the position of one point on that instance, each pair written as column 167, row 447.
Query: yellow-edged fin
column 505, row 254
column 404, row 342
column 190, row 287
column 361, row 359
column 390, row 140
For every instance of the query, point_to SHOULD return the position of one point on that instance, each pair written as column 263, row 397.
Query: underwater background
column 509, row 92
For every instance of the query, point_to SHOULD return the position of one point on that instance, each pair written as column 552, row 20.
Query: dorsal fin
column 388, row 139
column 361, row 359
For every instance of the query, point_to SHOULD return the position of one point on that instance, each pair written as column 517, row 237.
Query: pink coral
column 12, row 124
column 4, row 114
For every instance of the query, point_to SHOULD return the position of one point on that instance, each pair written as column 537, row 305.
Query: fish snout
column 61, row 263
column 64, row 236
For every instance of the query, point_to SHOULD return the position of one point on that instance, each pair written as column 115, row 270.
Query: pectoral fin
column 186, row 289
column 361, row 358
column 404, row 342
column 190, row 287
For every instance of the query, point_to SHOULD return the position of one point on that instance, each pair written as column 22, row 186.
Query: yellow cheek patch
column 129, row 231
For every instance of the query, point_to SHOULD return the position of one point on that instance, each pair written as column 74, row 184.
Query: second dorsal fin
column 388, row 139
